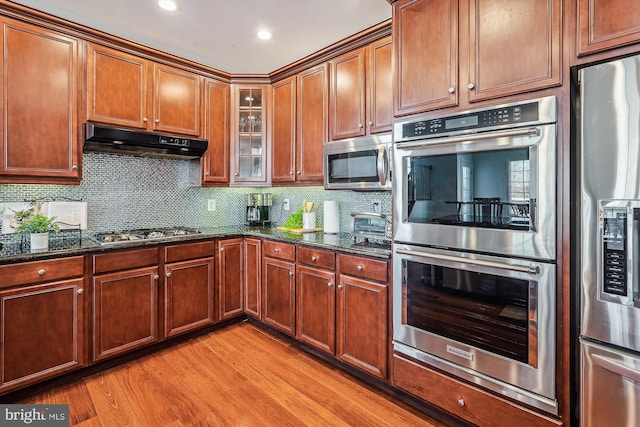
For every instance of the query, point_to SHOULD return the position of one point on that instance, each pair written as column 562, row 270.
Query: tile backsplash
column 125, row 192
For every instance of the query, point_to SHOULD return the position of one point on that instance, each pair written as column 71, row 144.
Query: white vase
column 39, row 242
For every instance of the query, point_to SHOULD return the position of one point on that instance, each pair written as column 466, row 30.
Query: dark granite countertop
column 17, row 250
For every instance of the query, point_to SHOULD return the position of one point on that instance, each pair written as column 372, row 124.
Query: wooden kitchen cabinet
column 230, row 278
column 125, row 301
column 362, row 313
column 40, row 136
column 300, row 106
column 214, row 165
column 42, row 320
column 278, row 286
column 188, row 287
column 253, row 277
column 316, row 298
column 361, row 91
column 126, row 90
column 607, row 24
column 452, row 53
column 250, row 135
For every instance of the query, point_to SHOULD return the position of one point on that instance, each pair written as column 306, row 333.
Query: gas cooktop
column 141, row 234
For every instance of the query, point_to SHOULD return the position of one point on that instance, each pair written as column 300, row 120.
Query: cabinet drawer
column 40, row 271
column 363, row 267
column 279, row 250
column 125, row 260
column 187, row 251
column 461, row 400
column 316, row 257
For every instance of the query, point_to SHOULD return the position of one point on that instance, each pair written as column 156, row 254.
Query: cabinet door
column 348, row 94
column 425, row 37
column 605, row 24
column 380, row 86
column 215, row 162
column 283, row 140
column 230, row 278
column 253, row 277
column 176, row 101
column 39, row 105
column 313, row 107
column 116, row 87
column 125, row 308
column 188, row 293
column 278, row 295
column 42, row 331
column 362, row 325
column 316, row 308
column 513, row 47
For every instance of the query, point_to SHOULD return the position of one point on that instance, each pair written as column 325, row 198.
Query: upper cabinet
column 215, row 162
column 300, row 106
column 454, row 52
column 127, row 90
column 606, row 24
column 361, row 91
column 40, row 136
column 249, row 135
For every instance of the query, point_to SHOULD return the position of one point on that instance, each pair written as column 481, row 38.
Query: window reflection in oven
column 482, row 310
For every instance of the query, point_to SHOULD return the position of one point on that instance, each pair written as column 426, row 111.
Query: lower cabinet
column 125, row 301
column 279, row 286
column 42, row 321
column 252, row 277
column 188, row 287
column 230, row 278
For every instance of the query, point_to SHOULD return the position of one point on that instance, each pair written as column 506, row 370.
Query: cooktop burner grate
column 142, row 234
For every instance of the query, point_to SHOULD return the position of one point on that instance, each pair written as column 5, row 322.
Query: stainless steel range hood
column 124, row 141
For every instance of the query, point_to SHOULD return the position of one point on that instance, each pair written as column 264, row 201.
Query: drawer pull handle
column 359, row 268
column 314, row 258
column 461, row 403
column 42, row 271
column 276, row 250
column 80, row 291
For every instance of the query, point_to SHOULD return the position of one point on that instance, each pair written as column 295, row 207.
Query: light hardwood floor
column 238, row 376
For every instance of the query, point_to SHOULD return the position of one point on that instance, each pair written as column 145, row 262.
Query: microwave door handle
column 616, row 367
column 382, row 165
column 478, row 137
column 529, row 269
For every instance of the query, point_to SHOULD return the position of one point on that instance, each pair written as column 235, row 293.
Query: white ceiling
column 222, row 33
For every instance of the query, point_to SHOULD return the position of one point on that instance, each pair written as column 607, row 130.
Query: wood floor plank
column 109, row 400
column 82, row 408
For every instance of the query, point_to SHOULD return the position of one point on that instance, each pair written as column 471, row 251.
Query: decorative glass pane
column 257, row 167
column 245, row 144
column 245, row 122
column 256, row 145
column 245, row 98
column 245, row 166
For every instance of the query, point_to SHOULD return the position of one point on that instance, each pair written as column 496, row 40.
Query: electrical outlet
column 285, row 205
column 377, row 206
column 211, row 205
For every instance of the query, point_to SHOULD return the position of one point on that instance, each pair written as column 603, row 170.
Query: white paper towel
column 331, row 217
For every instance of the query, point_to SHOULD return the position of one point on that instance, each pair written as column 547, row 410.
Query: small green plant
column 295, row 220
column 36, row 223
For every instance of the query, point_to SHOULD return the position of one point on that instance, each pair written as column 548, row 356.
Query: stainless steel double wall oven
column 474, row 226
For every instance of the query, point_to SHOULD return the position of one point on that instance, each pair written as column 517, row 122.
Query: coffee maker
column 258, row 206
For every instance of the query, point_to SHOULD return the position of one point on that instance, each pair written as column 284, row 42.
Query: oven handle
column 530, row 269
column 616, row 367
column 382, row 165
column 477, row 137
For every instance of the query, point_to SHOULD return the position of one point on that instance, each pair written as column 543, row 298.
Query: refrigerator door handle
column 616, row 367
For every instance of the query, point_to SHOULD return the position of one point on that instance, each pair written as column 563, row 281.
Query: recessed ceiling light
column 264, row 35
column 169, row 5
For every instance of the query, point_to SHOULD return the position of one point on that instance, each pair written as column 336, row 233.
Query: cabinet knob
column 359, row 268
column 314, row 258
column 290, row 172
column 157, row 120
column 470, row 86
column 330, row 284
column 144, row 119
column 299, row 173
column 80, row 291
column 452, row 89
column 221, row 249
column 291, row 273
column 42, row 271
column 339, row 286
column 168, row 274
column 156, row 277
column 370, row 123
column 461, row 403
column 74, row 167
column 360, row 125
column 235, row 173
column 276, row 250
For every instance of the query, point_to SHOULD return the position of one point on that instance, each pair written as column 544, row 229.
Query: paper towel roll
column 331, row 217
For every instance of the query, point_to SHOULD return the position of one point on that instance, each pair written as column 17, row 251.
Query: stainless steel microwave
column 358, row 163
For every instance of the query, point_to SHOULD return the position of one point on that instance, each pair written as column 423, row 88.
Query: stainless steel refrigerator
column 609, row 242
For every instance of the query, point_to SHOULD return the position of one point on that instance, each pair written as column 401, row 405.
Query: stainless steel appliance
column 371, row 225
column 125, row 141
column 358, row 163
column 474, row 246
column 483, row 180
column 258, row 207
column 124, row 236
column 609, row 241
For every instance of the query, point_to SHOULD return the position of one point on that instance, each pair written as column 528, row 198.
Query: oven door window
column 358, row 166
column 485, row 311
column 492, row 189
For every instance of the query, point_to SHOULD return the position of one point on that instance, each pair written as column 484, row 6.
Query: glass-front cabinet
column 249, row 135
